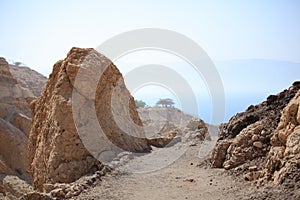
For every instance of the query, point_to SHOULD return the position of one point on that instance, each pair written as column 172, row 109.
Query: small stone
column 258, row 144
column 252, row 168
column 254, row 137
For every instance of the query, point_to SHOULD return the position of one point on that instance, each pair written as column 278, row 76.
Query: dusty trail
column 186, row 178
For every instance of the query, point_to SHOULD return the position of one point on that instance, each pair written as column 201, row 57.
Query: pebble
column 258, row 144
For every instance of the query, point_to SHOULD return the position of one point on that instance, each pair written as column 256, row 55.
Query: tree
column 17, row 63
column 166, row 103
column 139, row 104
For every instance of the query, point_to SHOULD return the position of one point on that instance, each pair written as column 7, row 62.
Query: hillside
column 147, row 153
column 29, row 78
column 19, row 87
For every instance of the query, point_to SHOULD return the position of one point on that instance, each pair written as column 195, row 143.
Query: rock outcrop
column 283, row 161
column 14, row 124
column 247, row 135
column 29, row 78
column 263, row 142
column 168, row 126
column 159, row 120
column 57, row 153
column 14, row 187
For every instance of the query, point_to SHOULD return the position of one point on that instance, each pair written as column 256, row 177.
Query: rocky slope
column 166, row 126
column 14, row 123
column 29, row 78
column 57, row 153
column 157, row 120
column 262, row 143
column 283, row 161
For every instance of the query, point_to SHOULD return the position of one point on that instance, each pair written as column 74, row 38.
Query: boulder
column 166, row 139
column 57, row 151
column 14, row 187
column 195, row 131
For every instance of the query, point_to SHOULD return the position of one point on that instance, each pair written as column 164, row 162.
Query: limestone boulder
column 79, row 114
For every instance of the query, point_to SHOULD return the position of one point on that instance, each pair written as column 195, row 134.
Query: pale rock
column 248, row 134
column 22, row 122
column 254, row 138
column 14, row 187
column 57, row 154
column 13, row 148
column 258, row 144
column 164, row 140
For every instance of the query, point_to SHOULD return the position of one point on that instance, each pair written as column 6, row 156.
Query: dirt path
column 186, row 178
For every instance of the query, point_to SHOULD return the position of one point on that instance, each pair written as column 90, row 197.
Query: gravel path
column 186, row 178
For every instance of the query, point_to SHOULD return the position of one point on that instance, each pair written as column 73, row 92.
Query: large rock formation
column 283, row 161
column 57, row 153
column 263, row 142
column 14, row 124
column 247, row 135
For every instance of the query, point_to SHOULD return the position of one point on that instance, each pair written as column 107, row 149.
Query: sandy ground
column 187, row 178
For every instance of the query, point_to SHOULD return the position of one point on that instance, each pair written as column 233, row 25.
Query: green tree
column 139, row 104
column 166, row 103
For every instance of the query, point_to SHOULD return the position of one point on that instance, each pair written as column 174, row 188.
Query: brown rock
column 57, row 153
column 258, row 144
column 195, row 131
column 14, row 187
column 242, row 149
column 28, row 78
column 36, row 196
column 219, row 153
column 283, row 160
column 13, row 148
column 252, row 168
column 15, row 121
column 165, row 139
column 13, row 97
column 159, row 120
column 22, row 122
column 250, row 132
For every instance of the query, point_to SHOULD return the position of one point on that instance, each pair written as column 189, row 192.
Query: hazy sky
column 39, row 33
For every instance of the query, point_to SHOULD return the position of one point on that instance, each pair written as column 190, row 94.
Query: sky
column 39, row 33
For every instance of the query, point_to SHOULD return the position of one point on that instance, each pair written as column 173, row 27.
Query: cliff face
column 57, row 153
column 14, row 124
column 263, row 142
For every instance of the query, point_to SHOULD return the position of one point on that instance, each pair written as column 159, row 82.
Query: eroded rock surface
column 29, row 78
column 283, row 161
column 263, row 143
column 14, row 124
column 168, row 126
column 57, row 153
column 247, row 135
